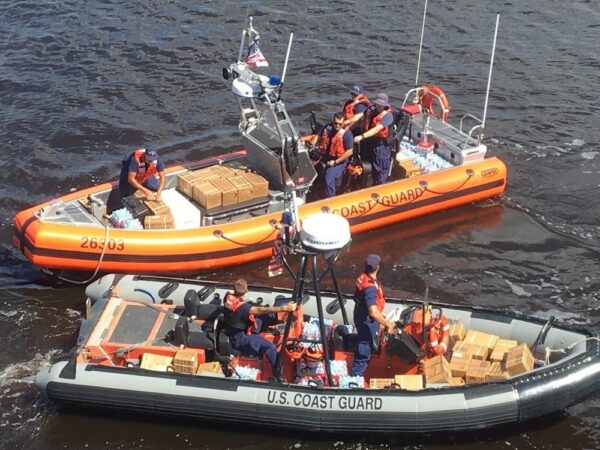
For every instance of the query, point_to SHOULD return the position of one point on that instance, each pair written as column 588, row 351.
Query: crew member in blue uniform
column 144, row 169
column 378, row 118
column 244, row 321
column 354, row 109
column 368, row 314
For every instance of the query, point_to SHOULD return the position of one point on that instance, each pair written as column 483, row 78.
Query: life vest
column 144, row 171
column 351, row 104
column 333, row 147
column 372, row 119
column 233, row 318
column 436, row 329
column 362, row 283
column 438, row 336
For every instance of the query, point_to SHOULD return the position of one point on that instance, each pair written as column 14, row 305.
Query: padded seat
column 343, row 340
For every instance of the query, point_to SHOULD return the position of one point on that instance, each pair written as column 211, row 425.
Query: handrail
column 471, row 132
column 477, row 119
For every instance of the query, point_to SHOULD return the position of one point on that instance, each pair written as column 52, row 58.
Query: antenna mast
column 421, row 44
column 487, row 93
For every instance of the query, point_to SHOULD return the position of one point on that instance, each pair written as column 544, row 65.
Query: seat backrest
column 209, row 312
column 191, row 303
column 181, row 332
column 222, row 342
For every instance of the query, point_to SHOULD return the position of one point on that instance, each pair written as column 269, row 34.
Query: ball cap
column 151, row 153
column 382, row 99
column 372, row 262
column 357, row 90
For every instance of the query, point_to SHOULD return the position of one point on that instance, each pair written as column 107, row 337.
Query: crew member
column 245, row 321
column 354, row 109
column 335, row 143
column 378, row 118
column 368, row 314
column 144, row 170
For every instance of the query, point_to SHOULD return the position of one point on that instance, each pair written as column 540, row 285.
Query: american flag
column 255, row 57
column 279, row 250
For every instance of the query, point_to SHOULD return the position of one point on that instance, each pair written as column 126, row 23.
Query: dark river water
column 82, row 82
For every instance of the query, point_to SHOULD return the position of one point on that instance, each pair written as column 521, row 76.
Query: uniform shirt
column 361, row 309
column 360, row 108
column 387, row 120
column 133, row 165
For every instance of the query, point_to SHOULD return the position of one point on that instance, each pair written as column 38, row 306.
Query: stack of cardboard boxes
column 159, row 215
column 222, row 186
column 476, row 358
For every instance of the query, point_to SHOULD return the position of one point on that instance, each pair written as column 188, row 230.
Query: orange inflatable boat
column 226, row 210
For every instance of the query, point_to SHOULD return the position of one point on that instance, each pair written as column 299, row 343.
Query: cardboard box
column 380, row 383
column 211, row 368
column 229, row 193
column 409, row 169
column 206, row 195
column 157, row 207
column 457, row 333
column 260, row 185
column 158, row 363
column 186, row 180
column 501, row 349
column 243, row 186
column 496, row 372
column 457, row 381
column 479, row 338
column 185, row 361
column 476, row 351
column 437, row 370
column 476, row 371
column 159, row 222
column 459, row 364
column 222, row 171
column 409, row 382
column 519, row 360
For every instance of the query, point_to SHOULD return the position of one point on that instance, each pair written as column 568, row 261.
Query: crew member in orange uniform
column 368, row 314
column 144, row 170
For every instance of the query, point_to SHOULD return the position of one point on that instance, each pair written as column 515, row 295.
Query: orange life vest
column 364, row 281
column 439, row 336
column 232, row 303
column 333, row 147
column 144, row 171
column 350, row 104
column 372, row 120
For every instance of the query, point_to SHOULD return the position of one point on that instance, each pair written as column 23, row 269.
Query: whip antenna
column 421, row 44
column 287, row 57
column 487, row 93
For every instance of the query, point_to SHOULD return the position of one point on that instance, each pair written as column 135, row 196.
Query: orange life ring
column 439, row 336
column 433, row 99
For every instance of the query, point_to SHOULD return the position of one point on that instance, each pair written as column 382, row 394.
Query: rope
column 426, row 187
column 563, row 351
column 221, row 235
column 68, row 280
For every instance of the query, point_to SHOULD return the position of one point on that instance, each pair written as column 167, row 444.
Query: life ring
column 433, row 99
column 439, row 336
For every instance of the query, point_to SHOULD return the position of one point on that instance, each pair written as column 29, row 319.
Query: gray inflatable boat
column 110, row 370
